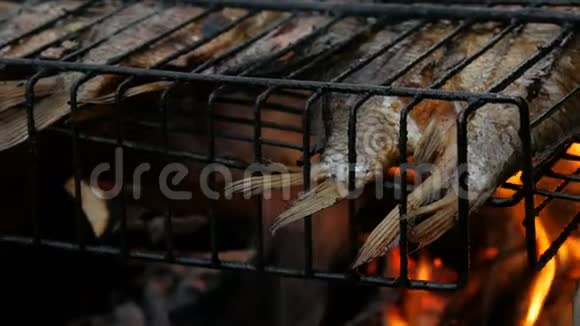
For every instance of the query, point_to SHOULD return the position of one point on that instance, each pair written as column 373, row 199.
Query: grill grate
column 316, row 91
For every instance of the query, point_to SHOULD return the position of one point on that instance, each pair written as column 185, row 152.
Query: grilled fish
column 67, row 25
column 282, row 37
column 54, row 107
column 377, row 127
column 494, row 147
column 31, row 17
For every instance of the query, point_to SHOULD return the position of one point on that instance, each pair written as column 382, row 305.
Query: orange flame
column 574, row 149
column 542, row 281
column 393, row 317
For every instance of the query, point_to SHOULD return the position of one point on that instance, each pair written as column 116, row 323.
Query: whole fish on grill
column 377, row 125
column 51, row 108
column 494, row 147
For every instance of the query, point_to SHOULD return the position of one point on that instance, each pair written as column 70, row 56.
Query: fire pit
column 96, row 175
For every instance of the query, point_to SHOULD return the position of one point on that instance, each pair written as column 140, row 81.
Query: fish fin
column 286, row 177
column 93, row 204
column 153, row 87
column 322, row 196
column 385, row 235
column 13, row 93
column 432, row 144
column 435, row 226
column 14, row 121
column 258, row 184
column 433, row 207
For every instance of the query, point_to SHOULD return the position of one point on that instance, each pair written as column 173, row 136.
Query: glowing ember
column 489, row 253
column 574, row 149
column 393, row 317
column 424, row 269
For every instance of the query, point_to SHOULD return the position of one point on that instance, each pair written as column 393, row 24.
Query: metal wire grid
column 319, row 90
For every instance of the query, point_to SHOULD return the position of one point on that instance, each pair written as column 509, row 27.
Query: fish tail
column 109, row 98
column 257, row 185
column 432, row 144
column 13, row 93
column 14, row 121
column 322, row 196
column 385, row 236
column 443, row 219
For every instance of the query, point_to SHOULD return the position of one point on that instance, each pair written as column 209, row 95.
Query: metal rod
column 258, row 81
column 424, row 10
column 239, row 266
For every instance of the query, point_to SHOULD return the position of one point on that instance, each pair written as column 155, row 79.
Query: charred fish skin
column 28, row 17
column 221, row 45
column 280, row 38
column 68, row 25
column 494, row 146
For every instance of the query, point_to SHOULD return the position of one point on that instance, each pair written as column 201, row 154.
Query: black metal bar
column 238, row 266
column 558, row 242
column 222, row 135
column 554, row 108
column 131, row 145
column 124, row 253
column 558, row 195
column 77, row 167
column 306, row 169
column 270, row 125
column 347, row 88
column 572, row 178
column 47, row 24
column 541, row 168
column 495, row 2
column 267, row 106
column 212, row 158
column 420, row 11
column 168, row 221
column 34, row 171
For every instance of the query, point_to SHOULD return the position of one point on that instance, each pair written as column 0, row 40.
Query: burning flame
column 423, row 308
column 542, row 281
column 574, row 149
column 418, row 307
